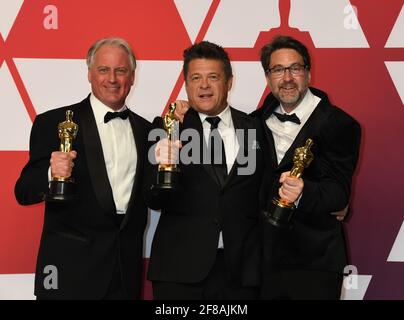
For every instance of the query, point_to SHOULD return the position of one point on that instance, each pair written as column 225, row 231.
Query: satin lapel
column 271, row 144
column 241, row 124
column 95, row 158
column 307, row 131
column 193, row 121
column 140, row 141
column 268, row 133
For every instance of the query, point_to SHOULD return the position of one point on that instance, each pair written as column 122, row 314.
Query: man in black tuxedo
column 95, row 241
column 307, row 261
column 206, row 245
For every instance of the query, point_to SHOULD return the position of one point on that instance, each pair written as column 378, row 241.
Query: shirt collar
column 100, row 109
column 225, row 116
column 304, row 107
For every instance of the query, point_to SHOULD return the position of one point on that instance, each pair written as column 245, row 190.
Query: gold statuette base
column 60, row 190
column 167, row 178
column 279, row 213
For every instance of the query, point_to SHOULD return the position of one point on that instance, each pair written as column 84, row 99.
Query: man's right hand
column 181, row 109
column 167, row 151
column 62, row 163
column 291, row 188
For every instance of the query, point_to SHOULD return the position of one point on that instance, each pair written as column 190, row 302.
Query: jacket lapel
column 241, row 123
column 95, row 158
column 272, row 104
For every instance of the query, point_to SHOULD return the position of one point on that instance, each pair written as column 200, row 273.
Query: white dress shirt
column 227, row 132
column 285, row 133
column 231, row 145
column 119, row 149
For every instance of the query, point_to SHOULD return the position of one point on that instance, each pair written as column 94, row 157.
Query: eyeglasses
column 295, row 69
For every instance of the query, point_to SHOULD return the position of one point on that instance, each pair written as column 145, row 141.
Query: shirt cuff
column 49, row 174
column 298, row 200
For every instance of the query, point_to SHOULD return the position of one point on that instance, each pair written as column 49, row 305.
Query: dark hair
column 207, row 50
column 284, row 42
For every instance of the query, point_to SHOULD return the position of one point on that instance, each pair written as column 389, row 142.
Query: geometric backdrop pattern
column 358, row 59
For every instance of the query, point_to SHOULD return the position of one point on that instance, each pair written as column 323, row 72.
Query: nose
column 204, row 82
column 112, row 76
column 287, row 75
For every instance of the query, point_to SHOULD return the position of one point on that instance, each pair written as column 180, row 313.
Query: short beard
column 291, row 104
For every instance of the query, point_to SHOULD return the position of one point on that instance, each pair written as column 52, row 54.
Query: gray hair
column 118, row 42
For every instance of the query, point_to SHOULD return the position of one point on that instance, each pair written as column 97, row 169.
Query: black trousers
column 216, row 286
column 301, row 285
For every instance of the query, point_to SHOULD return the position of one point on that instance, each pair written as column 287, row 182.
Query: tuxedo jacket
column 82, row 238
column 316, row 240
column 186, row 239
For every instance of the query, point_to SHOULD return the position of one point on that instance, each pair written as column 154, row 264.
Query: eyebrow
column 119, row 67
column 281, row 65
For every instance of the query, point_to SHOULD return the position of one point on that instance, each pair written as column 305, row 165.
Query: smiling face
column 288, row 89
column 207, row 86
column 111, row 76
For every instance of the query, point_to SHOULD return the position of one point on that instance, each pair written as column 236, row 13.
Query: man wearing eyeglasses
column 306, row 261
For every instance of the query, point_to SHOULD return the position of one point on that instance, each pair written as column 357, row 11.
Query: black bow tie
column 287, row 117
column 111, row 115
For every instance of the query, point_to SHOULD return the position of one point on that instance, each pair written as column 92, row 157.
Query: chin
column 289, row 99
column 204, row 109
column 114, row 104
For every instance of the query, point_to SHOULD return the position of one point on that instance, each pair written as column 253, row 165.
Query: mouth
column 205, row 96
column 288, row 88
column 112, row 89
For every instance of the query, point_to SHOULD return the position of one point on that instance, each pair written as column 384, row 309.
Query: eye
column 277, row 70
column 195, row 77
column 121, row 71
column 214, row 77
column 296, row 68
column 102, row 70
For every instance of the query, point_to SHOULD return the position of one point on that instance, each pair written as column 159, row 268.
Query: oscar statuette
column 280, row 211
column 168, row 174
column 62, row 188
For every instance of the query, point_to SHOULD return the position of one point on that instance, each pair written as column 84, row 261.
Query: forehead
column 111, row 53
column 205, row 65
column 285, row 57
